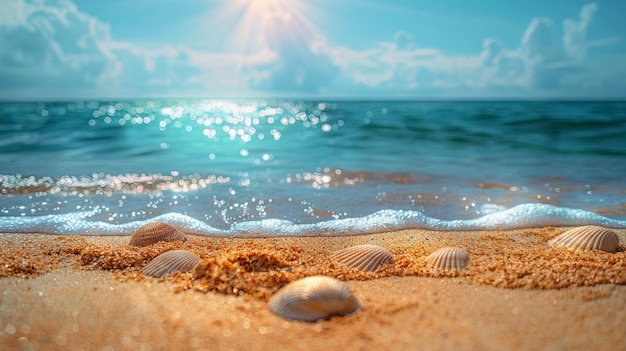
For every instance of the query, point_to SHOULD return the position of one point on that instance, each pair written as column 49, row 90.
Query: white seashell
column 364, row 257
column 448, row 258
column 153, row 232
column 170, row 262
column 586, row 238
column 313, row 298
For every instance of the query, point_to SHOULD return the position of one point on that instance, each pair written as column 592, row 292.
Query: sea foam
column 521, row 216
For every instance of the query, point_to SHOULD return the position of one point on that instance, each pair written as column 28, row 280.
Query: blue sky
column 416, row 49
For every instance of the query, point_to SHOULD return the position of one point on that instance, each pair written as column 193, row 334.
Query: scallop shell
column 587, row 237
column 364, row 257
column 170, row 262
column 153, row 232
column 448, row 258
column 313, row 298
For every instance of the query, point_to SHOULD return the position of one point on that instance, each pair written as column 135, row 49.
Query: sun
column 269, row 6
column 259, row 39
column 247, row 26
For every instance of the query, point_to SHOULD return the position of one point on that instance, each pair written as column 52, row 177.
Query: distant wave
column 521, row 216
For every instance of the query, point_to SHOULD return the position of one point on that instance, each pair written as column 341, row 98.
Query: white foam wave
column 521, row 216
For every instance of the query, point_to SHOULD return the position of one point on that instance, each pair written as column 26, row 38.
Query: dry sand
column 86, row 293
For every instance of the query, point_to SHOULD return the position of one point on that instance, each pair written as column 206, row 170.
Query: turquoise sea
column 309, row 167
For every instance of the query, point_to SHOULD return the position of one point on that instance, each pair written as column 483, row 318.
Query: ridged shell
column 153, row 232
column 363, row 257
column 587, row 237
column 170, row 262
column 448, row 258
column 313, row 298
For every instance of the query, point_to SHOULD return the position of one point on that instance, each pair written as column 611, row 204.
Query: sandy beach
column 518, row 293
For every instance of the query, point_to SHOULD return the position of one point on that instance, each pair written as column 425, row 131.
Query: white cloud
column 541, row 65
column 501, row 67
column 540, row 43
column 296, row 67
column 52, row 49
column 565, row 69
column 575, row 33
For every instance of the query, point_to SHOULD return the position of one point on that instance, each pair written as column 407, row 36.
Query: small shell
column 448, row 258
column 587, row 237
column 364, row 257
column 170, row 262
column 313, row 298
column 153, row 232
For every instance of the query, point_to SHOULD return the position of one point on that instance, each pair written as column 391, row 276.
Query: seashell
column 153, row 232
column 587, row 237
column 313, row 298
column 170, row 262
column 364, row 257
column 448, row 258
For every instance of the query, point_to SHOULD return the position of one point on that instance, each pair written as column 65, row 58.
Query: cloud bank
column 51, row 49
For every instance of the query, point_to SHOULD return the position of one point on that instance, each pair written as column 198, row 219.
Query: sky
column 394, row 49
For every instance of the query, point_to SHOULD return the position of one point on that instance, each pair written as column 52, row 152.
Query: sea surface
column 307, row 167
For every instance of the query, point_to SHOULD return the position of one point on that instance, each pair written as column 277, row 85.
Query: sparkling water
column 289, row 167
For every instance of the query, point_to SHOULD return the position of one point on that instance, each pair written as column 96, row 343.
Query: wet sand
column 518, row 293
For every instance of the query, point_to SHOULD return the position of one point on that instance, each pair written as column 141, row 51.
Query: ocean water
column 305, row 167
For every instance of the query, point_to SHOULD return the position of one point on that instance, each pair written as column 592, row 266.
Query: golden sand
column 80, row 292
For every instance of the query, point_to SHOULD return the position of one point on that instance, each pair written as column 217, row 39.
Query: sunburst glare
column 255, row 25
